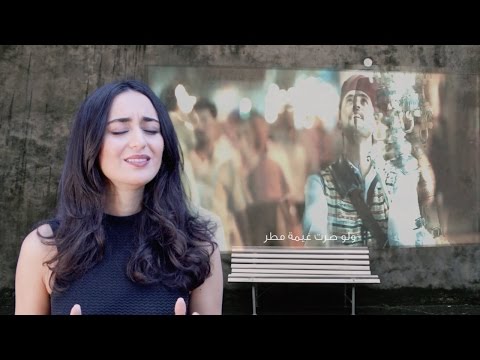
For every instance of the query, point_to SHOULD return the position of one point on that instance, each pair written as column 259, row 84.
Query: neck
column 123, row 202
column 356, row 150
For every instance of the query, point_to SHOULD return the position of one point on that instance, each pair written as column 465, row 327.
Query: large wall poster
column 319, row 157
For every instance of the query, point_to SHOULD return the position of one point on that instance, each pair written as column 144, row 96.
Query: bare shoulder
column 34, row 247
column 32, row 287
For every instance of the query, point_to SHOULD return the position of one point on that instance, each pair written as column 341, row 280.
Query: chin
column 136, row 182
column 359, row 133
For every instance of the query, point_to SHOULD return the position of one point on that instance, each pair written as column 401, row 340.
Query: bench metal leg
column 353, row 299
column 254, row 299
column 350, row 299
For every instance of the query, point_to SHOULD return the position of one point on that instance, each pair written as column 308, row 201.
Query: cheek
column 104, row 160
column 160, row 145
column 345, row 111
column 104, row 152
column 344, row 117
column 371, row 120
column 102, row 157
column 109, row 152
column 158, row 148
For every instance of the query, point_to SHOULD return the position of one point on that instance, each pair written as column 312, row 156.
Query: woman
column 125, row 239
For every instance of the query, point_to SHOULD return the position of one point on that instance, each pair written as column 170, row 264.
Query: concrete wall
column 43, row 85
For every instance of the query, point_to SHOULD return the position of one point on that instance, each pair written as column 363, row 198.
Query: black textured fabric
column 106, row 289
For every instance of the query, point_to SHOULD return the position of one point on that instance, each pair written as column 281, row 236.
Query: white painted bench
column 335, row 265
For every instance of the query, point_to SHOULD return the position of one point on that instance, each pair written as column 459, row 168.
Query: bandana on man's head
column 361, row 83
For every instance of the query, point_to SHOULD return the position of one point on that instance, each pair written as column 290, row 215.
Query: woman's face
column 132, row 148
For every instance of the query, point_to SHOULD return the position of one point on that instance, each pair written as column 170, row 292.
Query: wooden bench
column 339, row 265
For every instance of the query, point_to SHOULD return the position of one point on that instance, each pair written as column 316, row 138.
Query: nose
column 137, row 139
column 356, row 103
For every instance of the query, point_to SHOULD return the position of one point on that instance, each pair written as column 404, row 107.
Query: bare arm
column 207, row 298
column 32, row 295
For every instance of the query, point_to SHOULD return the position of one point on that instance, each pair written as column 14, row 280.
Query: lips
column 138, row 160
column 138, row 157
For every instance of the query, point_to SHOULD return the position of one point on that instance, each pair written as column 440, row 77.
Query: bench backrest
column 275, row 264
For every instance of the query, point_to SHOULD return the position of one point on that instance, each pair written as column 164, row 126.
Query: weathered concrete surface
column 43, row 85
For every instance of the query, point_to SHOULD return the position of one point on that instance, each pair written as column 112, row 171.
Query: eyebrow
column 357, row 95
column 124, row 120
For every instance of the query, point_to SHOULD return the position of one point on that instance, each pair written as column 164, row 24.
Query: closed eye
column 151, row 132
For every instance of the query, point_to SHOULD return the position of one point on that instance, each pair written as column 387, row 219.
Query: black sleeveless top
column 105, row 289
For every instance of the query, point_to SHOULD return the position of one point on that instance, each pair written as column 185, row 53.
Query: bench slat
column 348, row 280
column 300, row 256
column 295, row 271
column 275, row 250
column 300, row 275
column 290, row 276
column 300, row 261
column 298, row 266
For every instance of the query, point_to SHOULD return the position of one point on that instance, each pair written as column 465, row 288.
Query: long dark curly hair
column 174, row 243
